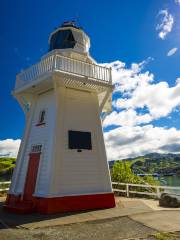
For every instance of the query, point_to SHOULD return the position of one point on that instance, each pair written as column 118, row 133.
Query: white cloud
column 172, row 52
column 178, row 80
column 127, row 117
column 138, row 100
column 166, row 23
column 127, row 79
column 141, row 99
column 9, row 147
column 124, row 142
column 177, row 1
column 159, row 99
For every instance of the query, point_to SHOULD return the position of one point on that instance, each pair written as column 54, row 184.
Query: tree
column 122, row 172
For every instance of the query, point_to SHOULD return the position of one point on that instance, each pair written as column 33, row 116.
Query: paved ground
column 123, row 208
column 131, row 219
column 165, row 221
column 111, row 229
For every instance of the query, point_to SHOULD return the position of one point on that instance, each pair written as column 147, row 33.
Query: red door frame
column 31, row 176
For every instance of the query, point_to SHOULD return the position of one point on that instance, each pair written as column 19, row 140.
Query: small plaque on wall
column 36, row 148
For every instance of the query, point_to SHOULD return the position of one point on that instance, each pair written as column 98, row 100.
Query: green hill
column 6, row 167
column 165, row 164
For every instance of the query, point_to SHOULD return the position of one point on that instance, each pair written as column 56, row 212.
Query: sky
column 139, row 39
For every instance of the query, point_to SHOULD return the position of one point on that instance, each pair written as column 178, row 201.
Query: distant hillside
column 6, row 167
column 165, row 164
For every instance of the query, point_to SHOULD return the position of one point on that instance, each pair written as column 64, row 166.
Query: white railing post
column 110, row 75
column 54, row 63
column 127, row 190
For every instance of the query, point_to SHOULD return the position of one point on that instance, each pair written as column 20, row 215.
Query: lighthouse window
column 80, row 140
column 62, row 39
column 42, row 117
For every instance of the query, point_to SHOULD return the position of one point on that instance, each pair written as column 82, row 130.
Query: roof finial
column 69, row 24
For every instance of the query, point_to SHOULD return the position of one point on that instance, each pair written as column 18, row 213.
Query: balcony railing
column 63, row 64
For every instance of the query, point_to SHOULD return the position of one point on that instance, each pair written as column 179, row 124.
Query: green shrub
column 6, row 165
column 122, row 173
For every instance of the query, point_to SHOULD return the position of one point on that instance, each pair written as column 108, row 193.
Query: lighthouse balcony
column 69, row 68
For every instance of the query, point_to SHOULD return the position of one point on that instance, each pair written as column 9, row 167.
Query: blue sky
column 132, row 32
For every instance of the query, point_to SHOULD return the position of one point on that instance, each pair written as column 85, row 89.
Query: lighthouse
column 62, row 163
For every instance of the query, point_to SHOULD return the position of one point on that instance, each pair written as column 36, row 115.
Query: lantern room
column 69, row 37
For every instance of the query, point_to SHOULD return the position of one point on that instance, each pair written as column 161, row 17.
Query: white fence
column 4, row 186
column 63, row 64
column 140, row 189
column 149, row 190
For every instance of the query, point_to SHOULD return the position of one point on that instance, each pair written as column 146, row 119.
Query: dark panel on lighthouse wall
column 80, row 140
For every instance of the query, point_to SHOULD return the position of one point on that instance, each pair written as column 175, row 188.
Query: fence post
column 158, row 192
column 127, row 190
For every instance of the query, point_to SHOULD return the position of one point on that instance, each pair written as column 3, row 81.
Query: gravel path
column 111, row 229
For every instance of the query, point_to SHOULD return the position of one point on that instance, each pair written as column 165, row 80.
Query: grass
column 167, row 235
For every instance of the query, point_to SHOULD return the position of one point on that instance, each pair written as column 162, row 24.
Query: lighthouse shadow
column 13, row 220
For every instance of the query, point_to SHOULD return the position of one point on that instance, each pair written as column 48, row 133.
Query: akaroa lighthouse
column 62, row 164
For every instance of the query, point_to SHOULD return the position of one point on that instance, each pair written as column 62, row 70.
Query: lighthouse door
column 31, row 176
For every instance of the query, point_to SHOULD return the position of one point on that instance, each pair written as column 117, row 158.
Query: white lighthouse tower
column 62, row 164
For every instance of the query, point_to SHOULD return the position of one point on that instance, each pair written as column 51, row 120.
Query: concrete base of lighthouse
column 59, row 204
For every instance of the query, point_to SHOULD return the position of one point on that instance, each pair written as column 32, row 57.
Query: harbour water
column 173, row 181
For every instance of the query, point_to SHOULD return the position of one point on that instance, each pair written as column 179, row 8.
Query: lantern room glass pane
column 62, row 39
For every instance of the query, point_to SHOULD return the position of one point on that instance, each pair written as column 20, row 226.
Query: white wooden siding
column 38, row 135
column 86, row 171
column 63, row 171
